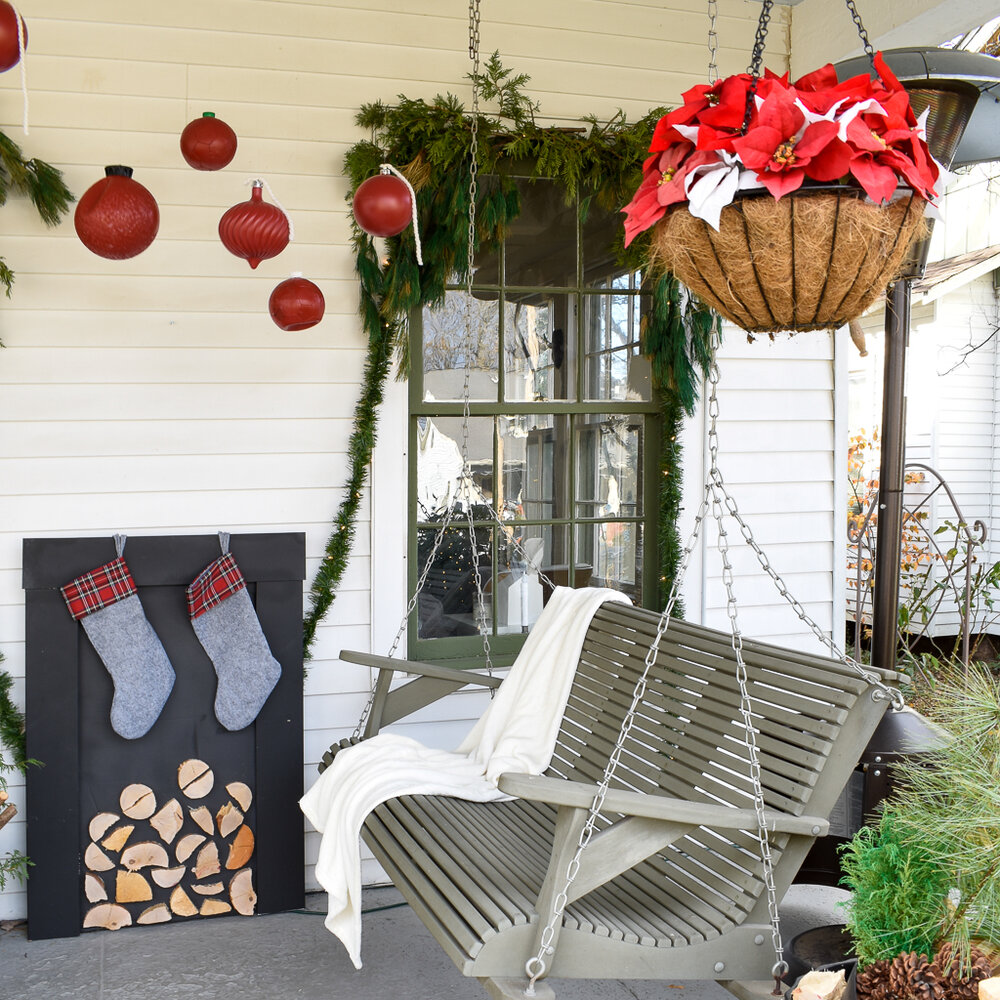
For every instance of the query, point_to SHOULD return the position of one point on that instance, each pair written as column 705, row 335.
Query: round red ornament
column 296, row 304
column 208, row 143
column 10, row 45
column 117, row 217
column 254, row 230
column 383, row 206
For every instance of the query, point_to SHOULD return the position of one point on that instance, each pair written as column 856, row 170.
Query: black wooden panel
column 68, row 701
column 53, row 803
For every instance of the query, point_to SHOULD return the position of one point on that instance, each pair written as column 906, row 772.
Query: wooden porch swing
column 675, row 811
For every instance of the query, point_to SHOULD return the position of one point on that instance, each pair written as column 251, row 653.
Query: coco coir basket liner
column 813, row 260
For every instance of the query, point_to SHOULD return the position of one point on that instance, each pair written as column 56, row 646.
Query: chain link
column 756, row 58
column 713, row 41
column 862, row 33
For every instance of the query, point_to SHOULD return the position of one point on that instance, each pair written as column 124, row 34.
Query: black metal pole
column 888, row 552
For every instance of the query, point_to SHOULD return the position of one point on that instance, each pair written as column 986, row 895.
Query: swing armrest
column 418, row 667
column 580, row 795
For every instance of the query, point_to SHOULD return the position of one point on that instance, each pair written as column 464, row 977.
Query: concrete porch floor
column 292, row 955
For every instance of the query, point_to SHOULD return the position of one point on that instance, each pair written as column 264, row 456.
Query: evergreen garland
column 599, row 164
column 11, row 727
column 36, row 180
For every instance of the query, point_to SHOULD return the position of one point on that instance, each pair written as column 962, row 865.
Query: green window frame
column 571, row 401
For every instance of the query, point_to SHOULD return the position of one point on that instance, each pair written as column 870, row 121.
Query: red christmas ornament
column 254, row 230
column 117, row 217
column 383, row 206
column 208, row 143
column 296, row 304
column 10, row 46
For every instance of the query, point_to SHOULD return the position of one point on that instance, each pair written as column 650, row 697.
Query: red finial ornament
column 117, row 217
column 10, row 44
column 383, row 205
column 208, row 143
column 296, row 304
column 254, row 230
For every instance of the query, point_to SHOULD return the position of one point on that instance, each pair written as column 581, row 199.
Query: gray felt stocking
column 105, row 602
column 226, row 624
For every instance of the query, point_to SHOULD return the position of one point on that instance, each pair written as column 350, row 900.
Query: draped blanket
column 516, row 733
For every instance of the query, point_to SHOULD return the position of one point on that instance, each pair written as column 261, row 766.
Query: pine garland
column 598, row 164
column 11, row 727
column 35, row 179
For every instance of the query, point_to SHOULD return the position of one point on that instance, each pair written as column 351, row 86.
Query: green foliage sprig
column 13, row 863
column 36, row 180
column 598, row 163
column 930, row 874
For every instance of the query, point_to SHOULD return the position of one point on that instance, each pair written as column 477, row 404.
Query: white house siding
column 155, row 396
column 782, row 458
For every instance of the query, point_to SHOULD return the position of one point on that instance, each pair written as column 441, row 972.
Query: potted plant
column 787, row 205
column 925, row 908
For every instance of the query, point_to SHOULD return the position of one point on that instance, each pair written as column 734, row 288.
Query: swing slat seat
column 671, row 885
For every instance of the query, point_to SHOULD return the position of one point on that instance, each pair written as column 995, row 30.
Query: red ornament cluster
column 117, row 217
column 383, row 206
column 208, row 143
column 254, row 229
column 10, row 44
column 861, row 132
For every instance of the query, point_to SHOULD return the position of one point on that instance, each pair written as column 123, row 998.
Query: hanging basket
column 812, row 260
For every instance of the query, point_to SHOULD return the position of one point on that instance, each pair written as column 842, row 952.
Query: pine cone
column 873, row 981
column 963, row 987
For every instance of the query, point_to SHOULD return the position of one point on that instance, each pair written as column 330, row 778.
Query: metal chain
column 713, row 41
column 862, row 33
column 536, row 965
column 467, row 398
column 480, row 610
column 719, row 509
column 756, row 58
column 881, row 689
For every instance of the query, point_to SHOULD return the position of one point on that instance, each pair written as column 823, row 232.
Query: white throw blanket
column 516, row 733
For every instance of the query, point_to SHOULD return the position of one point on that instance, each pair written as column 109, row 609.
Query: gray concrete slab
column 292, row 955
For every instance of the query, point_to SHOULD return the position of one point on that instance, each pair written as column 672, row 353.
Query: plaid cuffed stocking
column 226, row 624
column 105, row 602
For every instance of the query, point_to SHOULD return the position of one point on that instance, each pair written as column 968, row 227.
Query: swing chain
column 535, row 966
column 717, row 490
column 880, row 689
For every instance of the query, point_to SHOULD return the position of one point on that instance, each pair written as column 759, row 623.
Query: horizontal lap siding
column 154, row 395
column 777, row 431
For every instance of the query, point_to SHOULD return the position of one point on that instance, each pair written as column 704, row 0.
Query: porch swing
column 675, row 810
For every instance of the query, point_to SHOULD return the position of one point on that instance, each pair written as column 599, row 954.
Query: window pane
column 540, row 248
column 609, row 468
column 448, row 604
column 601, row 231
column 534, row 457
column 440, row 481
column 613, row 552
column 539, row 348
column 614, row 368
column 447, row 348
column 524, row 553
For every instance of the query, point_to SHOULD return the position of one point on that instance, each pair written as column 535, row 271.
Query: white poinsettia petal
column 869, row 106
column 710, row 194
column 690, row 132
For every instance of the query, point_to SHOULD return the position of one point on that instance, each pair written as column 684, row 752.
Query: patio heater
column 961, row 93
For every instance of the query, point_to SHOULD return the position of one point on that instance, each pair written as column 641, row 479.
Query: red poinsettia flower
column 717, row 110
column 662, row 185
column 782, row 146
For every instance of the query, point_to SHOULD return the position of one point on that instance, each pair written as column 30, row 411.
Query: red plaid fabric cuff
column 99, row 588
column 214, row 584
